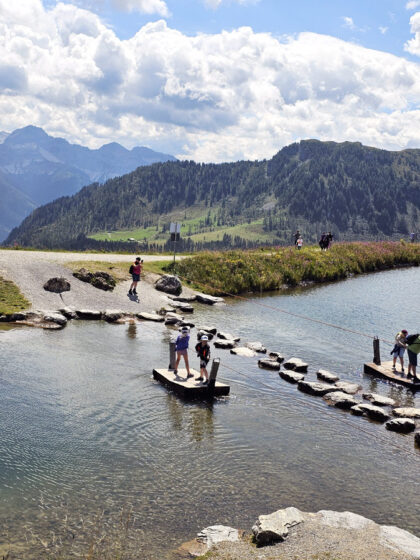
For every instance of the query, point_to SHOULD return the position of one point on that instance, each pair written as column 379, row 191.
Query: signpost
column 175, row 231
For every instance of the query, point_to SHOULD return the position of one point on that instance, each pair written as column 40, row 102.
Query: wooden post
column 172, row 356
column 376, row 352
column 213, row 374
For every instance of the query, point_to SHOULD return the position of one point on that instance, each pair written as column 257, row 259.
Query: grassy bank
column 11, row 299
column 235, row 272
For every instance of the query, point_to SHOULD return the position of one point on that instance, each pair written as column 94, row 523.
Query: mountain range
column 354, row 190
column 36, row 168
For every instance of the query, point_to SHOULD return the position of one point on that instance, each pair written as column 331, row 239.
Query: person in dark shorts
column 399, row 349
column 203, row 352
column 135, row 273
column 413, row 348
column 181, row 347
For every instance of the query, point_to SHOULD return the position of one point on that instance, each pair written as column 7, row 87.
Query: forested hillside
column 351, row 189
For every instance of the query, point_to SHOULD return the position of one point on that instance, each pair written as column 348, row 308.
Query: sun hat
column 204, row 337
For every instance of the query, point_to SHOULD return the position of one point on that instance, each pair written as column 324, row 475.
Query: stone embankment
column 290, row 534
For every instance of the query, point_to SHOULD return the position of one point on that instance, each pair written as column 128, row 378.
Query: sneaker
column 205, row 382
column 402, row 370
column 130, row 293
column 394, row 368
column 134, row 292
column 190, row 375
column 199, row 378
column 175, row 372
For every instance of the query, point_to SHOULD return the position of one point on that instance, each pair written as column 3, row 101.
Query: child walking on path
column 135, row 271
column 181, row 347
column 203, row 352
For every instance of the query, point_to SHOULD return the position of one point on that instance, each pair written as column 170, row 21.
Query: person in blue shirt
column 181, row 347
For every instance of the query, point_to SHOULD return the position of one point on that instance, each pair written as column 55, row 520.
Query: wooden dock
column 189, row 388
column 385, row 372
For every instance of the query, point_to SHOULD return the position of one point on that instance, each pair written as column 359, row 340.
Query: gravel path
column 31, row 269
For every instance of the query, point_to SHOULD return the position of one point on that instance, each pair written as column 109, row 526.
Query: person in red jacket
column 203, row 352
column 135, row 273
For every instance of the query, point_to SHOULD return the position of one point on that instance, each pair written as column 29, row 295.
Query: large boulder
column 292, row 376
column 402, row 425
column 209, row 300
column 100, row 280
column 296, row 364
column 327, row 376
column 378, row 400
column 57, row 285
column 266, row 363
column 340, row 399
column 371, row 411
column 406, row 412
column 315, row 388
column 169, row 284
column 275, row 527
column 349, row 388
column 400, row 540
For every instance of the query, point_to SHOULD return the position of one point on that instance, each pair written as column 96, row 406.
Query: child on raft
column 203, row 352
column 181, row 347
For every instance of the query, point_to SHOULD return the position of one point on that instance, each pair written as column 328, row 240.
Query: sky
column 213, row 80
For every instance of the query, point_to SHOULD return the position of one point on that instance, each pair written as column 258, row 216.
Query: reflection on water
column 86, row 428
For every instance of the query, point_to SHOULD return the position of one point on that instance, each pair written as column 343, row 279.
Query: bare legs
column 178, row 359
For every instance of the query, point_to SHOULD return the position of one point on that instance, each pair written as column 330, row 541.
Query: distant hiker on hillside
column 296, row 237
column 135, row 271
column 323, row 242
column 203, row 352
column 329, row 239
column 399, row 349
column 413, row 348
column 299, row 243
column 181, row 347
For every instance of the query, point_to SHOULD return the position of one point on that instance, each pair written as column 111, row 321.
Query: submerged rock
column 340, row 399
column 274, row 527
column 371, row 411
column 327, row 376
column 57, row 285
column 406, row 412
column 378, row 400
column 402, row 425
column 169, row 284
column 296, row 364
column 269, row 364
column 349, row 388
column 243, row 351
column 316, row 388
column 292, row 376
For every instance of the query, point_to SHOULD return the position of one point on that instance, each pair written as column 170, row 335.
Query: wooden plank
column 385, row 372
column 188, row 388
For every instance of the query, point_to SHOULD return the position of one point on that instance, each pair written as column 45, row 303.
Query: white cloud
column 214, row 4
column 143, row 6
column 225, row 96
column 412, row 4
column 348, row 22
column 383, row 30
column 413, row 45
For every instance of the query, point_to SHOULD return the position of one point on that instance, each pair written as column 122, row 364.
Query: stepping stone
column 378, row 400
column 349, row 388
column 269, row 364
column 406, row 412
column 340, row 400
column 184, row 307
column 292, row 376
column 150, row 317
column 228, row 336
column 242, row 351
column 185, row 299
column 316, row 388
column 296, row 364
column 56, row 318
column 327, row 376
column 89, row 314
column 226, row 344
column 113, row 315
column 208, row 329
column 256, row 347
column 373, row 412
column 200, row 333
column 209, row 300
column 401, row 425
column 277, row 356
column 186, row 324
column 68, row 312
column 167, row 309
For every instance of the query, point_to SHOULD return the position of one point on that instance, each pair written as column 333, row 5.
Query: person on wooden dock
column 399, row 349
column 181, row 347
column 203, row 352
column 413, row 348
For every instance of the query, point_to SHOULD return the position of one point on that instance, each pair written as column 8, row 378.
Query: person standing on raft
column 181, row 347
column 203, row 352
column 413, row 349
column 399, row 349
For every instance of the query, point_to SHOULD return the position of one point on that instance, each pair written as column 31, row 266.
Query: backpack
column 131, row 269
column 410, row 339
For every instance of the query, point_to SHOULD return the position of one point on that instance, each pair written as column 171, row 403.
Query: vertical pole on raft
column 376, row 352
column 172, row 358
column 213, row 374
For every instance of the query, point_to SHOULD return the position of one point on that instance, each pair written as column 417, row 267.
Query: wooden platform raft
column 384, row 371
